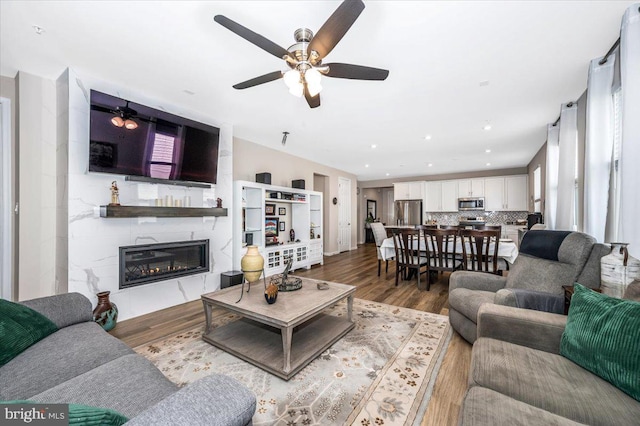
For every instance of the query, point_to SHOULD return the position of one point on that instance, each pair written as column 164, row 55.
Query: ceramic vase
column 618, row 270
column 106, row 312
column 252, row 264
column 271, row 293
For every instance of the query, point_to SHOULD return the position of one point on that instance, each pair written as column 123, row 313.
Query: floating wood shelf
column 144, row 211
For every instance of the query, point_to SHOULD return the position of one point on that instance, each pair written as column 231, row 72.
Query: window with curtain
column 617, row 144
column 537, row 189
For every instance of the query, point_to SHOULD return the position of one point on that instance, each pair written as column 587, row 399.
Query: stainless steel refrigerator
column 408, row 212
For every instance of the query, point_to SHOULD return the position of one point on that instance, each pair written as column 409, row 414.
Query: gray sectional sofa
column 518, row 377
column 81, row 363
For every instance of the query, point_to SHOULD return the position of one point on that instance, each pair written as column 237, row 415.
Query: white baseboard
column 331, row 253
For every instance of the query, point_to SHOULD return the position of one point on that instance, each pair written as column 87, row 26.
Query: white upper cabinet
column 516, row 192
column 508, row 193
column 442, row 196
column 494, row 194
column 449, row 196
column 433, row 201
column 408, row 191
column 470, row 188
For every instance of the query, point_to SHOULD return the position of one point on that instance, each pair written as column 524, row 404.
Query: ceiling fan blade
column 253, row 37
column 259, row 80
column 356, row 72
column 335, row 27
column 313, row 101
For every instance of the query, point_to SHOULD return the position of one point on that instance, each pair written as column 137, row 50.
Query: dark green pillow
column 89, row 416
column 603, row 336
column 84, row 415
column 20, row 327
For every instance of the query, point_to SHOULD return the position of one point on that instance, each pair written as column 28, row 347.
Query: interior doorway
column 344, row 214
column 6, row 212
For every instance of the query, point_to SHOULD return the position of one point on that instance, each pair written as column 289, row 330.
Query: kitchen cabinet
column 470, row 188
column 507, row 193
column 450, row 196
column 408, row 191
column 433, row 202
column 441, row 196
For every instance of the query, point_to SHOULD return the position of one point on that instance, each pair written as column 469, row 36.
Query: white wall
column 93, row 242
column 37, row 186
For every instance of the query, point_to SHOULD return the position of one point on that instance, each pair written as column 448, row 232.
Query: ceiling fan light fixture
column 291, row 78
column 130, row 124
column 314, row 89
column 117, row 121
column 296, row 90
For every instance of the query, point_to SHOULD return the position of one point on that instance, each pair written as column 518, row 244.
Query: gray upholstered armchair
column 547, row 261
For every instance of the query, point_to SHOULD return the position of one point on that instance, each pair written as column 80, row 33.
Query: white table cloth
column 507, row 250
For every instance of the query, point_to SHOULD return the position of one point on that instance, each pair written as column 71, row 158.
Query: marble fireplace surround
column 93, row 242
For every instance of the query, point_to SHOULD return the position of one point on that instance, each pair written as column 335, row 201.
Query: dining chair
column 444, row 251
column 408, row 257
column 480, row 250
column 379, row 235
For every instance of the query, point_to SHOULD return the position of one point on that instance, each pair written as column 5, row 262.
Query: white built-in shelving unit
column 303, row 214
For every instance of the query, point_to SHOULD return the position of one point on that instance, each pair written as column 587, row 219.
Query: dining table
column 507, row 249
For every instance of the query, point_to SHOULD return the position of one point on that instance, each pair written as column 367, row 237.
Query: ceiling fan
column 304, row 58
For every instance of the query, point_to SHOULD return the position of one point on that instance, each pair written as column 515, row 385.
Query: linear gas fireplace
column 148, row 263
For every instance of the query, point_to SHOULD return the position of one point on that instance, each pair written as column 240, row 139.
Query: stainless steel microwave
column 475, row 203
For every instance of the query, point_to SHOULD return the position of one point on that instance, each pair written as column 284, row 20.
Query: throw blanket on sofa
column 538, row 301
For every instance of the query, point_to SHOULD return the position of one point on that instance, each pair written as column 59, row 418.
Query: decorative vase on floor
column 106, row 312
column 252, row 264
column 618, row 270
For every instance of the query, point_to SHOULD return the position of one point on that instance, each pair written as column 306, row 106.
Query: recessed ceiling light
column 488, row 164
column 387, row 174
column 487, row 151
column 374, row 146
column 366, row 165
column 427, row 137
column 487, row 126
column 429, row 165
column 38, row 29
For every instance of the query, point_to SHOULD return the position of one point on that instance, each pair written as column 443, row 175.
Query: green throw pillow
column 89, row 416
column 84, row 415
column 603, row 336
column 20, row 327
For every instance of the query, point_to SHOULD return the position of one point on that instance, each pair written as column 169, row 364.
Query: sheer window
column 537, row 190
column 617, row 143
column 162, row 163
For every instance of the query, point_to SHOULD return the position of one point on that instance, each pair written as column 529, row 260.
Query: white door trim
column 6, row 212
column 344, row 214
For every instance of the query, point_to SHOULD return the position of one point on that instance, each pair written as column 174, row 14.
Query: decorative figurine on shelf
column 292, row 235
column 115, row 199
column 219, row 203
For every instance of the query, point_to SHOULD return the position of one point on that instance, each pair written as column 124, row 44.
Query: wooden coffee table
column 283, row 337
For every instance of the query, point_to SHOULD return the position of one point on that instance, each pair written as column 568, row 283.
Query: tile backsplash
column 497, row 218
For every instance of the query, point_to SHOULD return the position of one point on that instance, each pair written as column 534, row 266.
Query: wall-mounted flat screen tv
column 128, row 138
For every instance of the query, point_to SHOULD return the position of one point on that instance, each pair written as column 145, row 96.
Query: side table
column 568, row 293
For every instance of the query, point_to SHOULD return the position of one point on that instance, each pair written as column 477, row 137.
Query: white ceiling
column 534, row 55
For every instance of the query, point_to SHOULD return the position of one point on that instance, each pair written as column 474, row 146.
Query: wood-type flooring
column 360, row 268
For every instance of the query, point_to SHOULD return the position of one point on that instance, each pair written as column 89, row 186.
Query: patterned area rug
column 380, row 373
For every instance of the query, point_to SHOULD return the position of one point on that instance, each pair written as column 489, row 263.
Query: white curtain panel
column 551, row 180
column 630, row 151
column 598, row 147
column 568, row 146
